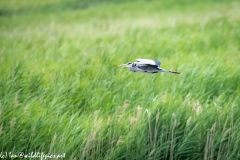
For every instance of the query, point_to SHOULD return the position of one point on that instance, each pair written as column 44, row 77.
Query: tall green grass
column 61, row 90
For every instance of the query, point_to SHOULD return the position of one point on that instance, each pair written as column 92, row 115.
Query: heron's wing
column 153, row 62
column 157, row 62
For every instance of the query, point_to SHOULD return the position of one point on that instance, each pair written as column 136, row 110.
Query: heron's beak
column 123, row 65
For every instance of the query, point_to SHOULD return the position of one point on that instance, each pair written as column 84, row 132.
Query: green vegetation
column 61, row 90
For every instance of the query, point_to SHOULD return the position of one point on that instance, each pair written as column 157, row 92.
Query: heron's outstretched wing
column 153, row 62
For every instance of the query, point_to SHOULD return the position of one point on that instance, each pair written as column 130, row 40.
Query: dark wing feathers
column 157, row 62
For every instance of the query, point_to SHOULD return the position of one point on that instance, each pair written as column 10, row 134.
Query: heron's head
column 129, row 64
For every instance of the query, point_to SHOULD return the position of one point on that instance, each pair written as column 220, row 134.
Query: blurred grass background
column 61, row 90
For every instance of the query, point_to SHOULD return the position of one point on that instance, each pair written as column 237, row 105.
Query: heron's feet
column 175, row 72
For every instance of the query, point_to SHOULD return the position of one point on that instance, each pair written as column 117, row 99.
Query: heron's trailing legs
column 174, row 72
column 167, row 71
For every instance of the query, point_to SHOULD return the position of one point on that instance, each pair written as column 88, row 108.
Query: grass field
column 62, row 92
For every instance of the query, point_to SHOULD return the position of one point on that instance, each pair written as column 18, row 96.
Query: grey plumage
column 146, row 66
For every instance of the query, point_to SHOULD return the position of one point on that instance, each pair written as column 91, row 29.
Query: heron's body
column 146, row 66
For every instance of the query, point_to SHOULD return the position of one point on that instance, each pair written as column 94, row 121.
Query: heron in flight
column 147, row 66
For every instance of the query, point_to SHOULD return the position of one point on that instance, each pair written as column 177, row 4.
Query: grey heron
column 147, row 66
